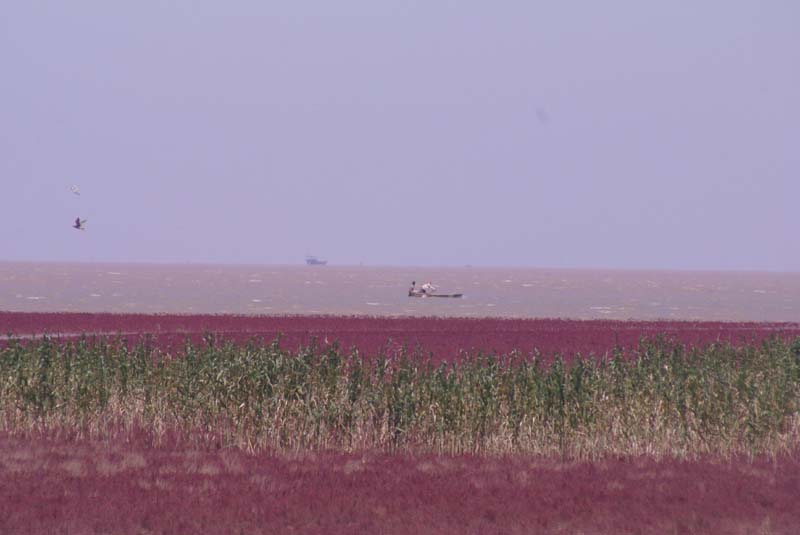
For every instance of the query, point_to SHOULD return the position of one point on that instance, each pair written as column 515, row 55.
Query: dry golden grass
column 666, row 401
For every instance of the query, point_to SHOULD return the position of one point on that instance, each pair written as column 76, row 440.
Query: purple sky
column 574, row 134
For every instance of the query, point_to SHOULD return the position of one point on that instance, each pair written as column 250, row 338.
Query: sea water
column 363, row 290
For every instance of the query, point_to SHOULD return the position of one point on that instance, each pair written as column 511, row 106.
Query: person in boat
column 424, row 291
column 428, row 288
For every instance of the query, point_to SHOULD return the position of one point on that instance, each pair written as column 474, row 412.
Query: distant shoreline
column 224, row 265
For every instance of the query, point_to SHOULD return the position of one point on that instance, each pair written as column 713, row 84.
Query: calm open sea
column 509, row 292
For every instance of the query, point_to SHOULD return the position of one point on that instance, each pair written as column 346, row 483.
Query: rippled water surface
column 517, row 292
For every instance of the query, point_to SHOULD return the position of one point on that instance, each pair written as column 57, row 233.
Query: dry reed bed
column 664, row 399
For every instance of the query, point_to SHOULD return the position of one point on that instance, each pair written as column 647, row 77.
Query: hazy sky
column 560, row 134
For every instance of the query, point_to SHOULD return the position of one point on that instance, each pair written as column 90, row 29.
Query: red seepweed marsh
column 445, row 420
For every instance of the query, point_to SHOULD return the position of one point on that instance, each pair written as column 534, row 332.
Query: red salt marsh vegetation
column 86, row 487
column 443, row 338
column 99, row 436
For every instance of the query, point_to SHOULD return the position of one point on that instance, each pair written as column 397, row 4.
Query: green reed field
column 662, row 400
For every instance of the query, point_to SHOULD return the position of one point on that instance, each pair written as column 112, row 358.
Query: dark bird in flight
column 79, row 224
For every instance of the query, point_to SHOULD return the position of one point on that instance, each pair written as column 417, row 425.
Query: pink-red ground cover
column 445, row 338
column 51, row 486
column 65, row 486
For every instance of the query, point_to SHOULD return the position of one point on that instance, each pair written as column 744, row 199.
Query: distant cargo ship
column 314, row 261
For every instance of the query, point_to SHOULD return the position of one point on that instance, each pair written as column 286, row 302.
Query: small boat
column 314, row 261
column 423, row 294
column 427, row 290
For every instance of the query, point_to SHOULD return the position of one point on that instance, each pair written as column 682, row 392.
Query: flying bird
column 79, row 224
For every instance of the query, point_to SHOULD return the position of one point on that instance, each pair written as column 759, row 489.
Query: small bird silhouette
column 79, row 224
